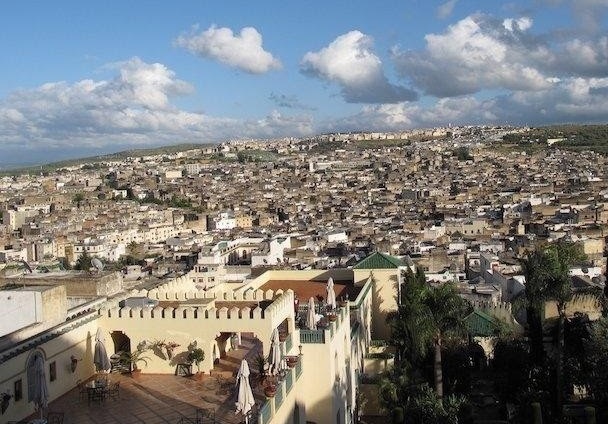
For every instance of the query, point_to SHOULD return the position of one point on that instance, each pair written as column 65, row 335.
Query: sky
column 82, row 78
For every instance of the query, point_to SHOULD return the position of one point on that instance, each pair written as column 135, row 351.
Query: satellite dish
column 97, row 264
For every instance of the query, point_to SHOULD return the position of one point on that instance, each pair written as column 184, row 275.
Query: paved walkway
column 161, row 399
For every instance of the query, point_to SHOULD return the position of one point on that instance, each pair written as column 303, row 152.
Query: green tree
column 443, row 314
column 462, row 153
column 547, row 279
column 425, row 317
column 408, row 331
column 428, row 407
column 597, row 348
column 78, row 198
column 83, row 263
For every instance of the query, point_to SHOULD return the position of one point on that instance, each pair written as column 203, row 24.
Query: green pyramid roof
column 481, row 324
column 379, row 260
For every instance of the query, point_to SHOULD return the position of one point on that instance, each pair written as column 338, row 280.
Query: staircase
column 228, row 366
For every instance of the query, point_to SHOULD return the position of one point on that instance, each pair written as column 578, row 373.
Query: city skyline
column 84, row 79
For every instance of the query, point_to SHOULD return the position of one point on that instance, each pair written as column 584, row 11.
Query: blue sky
column 84, row 77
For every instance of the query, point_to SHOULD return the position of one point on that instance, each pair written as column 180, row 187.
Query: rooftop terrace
column 166, row 399
column 305, row 289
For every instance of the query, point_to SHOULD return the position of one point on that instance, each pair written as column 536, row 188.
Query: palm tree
column 443, row 314
column 425, row 316
column 547, row 279
column 407, row 329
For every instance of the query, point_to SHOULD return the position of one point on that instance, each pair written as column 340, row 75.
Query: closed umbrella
column 245, row 400
column 275, row 354
column 331, row 294
column 38, row 390
column 311, row 321
column 100, row 357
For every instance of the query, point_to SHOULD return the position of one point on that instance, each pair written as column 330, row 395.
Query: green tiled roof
column 481, row 324
column 379, row 260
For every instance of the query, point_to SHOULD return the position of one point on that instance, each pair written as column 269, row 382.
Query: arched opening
column 122, row 343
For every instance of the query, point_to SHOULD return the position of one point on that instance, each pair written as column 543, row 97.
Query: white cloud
column 582, row 100
column 579, row 57
column 444, row 10
column 350, row 62
column 522, row 24
column 132, row 109
column 243, row 51
column 474, row 54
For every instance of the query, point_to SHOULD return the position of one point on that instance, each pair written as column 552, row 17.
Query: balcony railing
column 289, row 343
column 312, row 336
column 265, row 413
column 289, row 381
column 271, row 406
column 278, row 398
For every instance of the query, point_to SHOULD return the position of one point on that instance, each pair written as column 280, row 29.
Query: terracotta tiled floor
column 155, row 399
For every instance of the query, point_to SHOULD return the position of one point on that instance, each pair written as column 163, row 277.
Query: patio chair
column 82, row 389
column 205, row 416
column 113, row 390
column 54, row 418
column 96, row 394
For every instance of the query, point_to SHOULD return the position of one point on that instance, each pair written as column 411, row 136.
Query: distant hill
column 103, row 158
column 567, row 137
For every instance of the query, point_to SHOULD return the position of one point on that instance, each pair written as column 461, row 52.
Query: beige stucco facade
column 321, row 389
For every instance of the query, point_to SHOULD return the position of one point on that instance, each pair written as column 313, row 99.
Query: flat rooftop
column 305, row 289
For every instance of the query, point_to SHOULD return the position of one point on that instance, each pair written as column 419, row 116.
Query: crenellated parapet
column 282, row 304
column 185, row 313
column 487, row 306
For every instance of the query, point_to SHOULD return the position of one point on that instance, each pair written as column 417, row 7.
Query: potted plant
column 4, row 400
column 170, row 347
column 265, row 380
column 332, row 317
column 270, row 388
column 292, row 361
column 132, row 359
column 196, row 355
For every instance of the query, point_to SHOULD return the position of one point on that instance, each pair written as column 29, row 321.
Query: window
column 18, row 389
column 53, row 371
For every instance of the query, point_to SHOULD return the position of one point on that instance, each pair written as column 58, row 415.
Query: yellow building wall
column 79, row 342
column 185, row 325
column 325, row 392
column 384, row 298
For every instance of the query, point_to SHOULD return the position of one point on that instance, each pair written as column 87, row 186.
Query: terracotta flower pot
column 270, row 391
column 135, row 373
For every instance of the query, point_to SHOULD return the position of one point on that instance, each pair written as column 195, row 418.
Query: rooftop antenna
column 97, row 264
